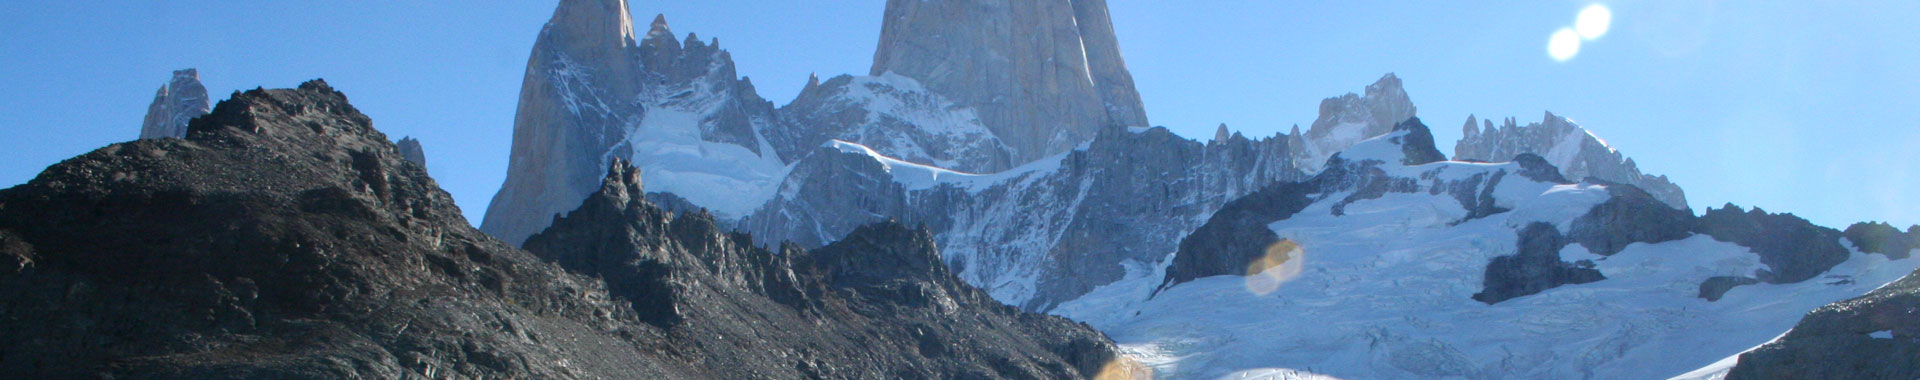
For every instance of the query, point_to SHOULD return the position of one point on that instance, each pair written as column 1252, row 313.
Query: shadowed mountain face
column 285, row 238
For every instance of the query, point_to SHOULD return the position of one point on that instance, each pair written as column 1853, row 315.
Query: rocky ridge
column 1576, row 151
column 177, row 102
column 284, row 237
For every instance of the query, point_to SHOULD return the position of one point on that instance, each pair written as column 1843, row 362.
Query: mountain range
column 1026, row 152
column 988, row 201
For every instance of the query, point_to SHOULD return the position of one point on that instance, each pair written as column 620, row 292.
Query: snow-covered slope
column 1375, row 273
column 895, row 116
column 1873, row 336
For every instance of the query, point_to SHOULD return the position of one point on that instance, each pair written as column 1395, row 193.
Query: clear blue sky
column 1796, row 106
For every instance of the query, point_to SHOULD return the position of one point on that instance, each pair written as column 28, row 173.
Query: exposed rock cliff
column 594, row 91
column 1045, row 76
column 180, row 100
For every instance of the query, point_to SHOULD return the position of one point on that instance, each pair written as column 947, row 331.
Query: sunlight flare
column 1282, row 262
column 1564, row 44
column 1593, row 22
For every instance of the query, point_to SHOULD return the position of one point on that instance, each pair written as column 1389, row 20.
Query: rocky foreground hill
column 285, row 238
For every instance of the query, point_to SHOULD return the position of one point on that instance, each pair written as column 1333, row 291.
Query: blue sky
column 1789, row 105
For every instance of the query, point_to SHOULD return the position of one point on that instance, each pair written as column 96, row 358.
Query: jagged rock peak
column 623, row 180
column 1220, row 134
column 1472, row 128
column 178, row 101
column 588, row 86
column 1574, row 149
column 982, row 54
column 1384, row 104
column 605, row 23
column 411, row 150
column 1348, row 119
column 660, row 36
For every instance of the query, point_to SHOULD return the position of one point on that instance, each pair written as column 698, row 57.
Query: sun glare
column 1564, row 44
column 1281, row 263
column 1593, row 22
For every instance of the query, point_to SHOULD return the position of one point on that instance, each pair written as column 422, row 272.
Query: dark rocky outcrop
column 1874, row 336
column 285, row 238
column 1629, row 216
column 1535, row 267
column 1795, row 249
column 178, row 101
column 1717, row 286
column 1417, row 144
column 1237, row 234
column 877, row 304
column 1881, row 238
column 411, row 150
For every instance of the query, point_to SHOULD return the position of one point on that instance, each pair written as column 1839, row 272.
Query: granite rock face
column 595, row 90
column 411, row 150
column 1044, row 76
column 1347, row 119
column 179, row 101
column 1575, row 150
column 285, row 238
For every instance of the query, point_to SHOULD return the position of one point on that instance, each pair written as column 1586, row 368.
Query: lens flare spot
column 1282, row 262
column 1563, row 45
column 1123, row 368
column 1593, row 22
